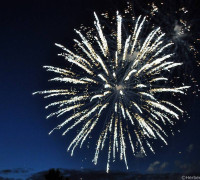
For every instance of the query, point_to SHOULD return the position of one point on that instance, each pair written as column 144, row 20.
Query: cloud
column 153, row 166
column 163, row 165
column 190, row 148
column 188, row 167
column 157, row 166
column 5, row 171
column 18, row 173
column 140, row 155
column 17, row 170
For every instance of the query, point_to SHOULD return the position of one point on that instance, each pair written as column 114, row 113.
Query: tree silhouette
column 55, row 175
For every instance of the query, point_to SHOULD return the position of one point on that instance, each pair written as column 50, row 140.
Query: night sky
column 28, row 32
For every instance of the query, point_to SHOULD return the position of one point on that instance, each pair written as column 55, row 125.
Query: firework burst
column 120, row 81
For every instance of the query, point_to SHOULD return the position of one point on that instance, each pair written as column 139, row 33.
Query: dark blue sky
column 28, row 31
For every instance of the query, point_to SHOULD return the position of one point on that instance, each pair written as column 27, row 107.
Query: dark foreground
column 63, row 174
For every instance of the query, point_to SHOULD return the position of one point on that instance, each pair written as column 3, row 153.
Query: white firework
column 121, row 82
